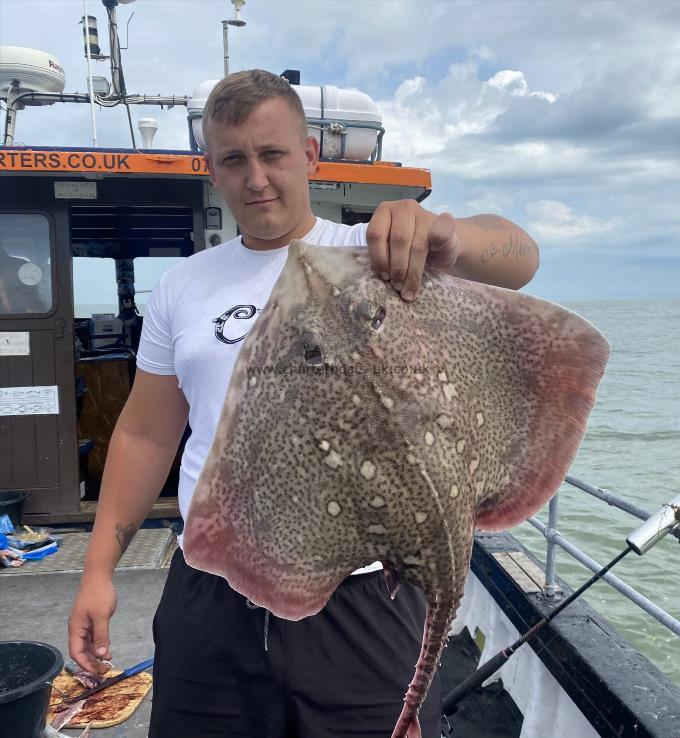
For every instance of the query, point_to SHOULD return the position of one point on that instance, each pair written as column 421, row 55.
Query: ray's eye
column 370, row 311
column 365, row 309
column 313, row 355
column 379, row 318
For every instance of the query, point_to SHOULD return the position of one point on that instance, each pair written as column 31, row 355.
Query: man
column 222, row 666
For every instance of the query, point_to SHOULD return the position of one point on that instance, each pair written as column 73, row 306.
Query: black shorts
column 226, row 669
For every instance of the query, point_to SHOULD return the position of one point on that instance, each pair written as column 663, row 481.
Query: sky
column 562, row 116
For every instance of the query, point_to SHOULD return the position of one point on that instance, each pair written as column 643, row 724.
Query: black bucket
column 26, row 667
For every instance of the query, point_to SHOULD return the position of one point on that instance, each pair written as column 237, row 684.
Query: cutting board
column 109, row 707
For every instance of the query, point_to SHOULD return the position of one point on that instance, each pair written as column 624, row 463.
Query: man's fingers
column 376, row 239
column 79, row 647
column 442, row 232
column 401, row 238
column 389, row 238
column 101, row 638
column 443, row 242
column 416, row 261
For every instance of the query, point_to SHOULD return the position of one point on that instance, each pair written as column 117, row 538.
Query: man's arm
column 402, row 237
column 142, row 448
column 493, row 250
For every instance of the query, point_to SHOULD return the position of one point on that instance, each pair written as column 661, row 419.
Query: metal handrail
column 554, row 539
column 614, row 501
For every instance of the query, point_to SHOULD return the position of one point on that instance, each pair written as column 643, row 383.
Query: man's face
column 261, row 168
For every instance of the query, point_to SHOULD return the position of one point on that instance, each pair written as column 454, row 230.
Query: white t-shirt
column 195, row 323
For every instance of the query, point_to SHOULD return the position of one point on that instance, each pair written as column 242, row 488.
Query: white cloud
column 441, row 124
column 514, row 83
column 424, row 116
column 554, row 221
column 409, row 87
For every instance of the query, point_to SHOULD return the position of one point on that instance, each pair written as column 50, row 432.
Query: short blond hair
column 235, row 97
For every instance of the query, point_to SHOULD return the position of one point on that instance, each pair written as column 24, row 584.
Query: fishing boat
column 73, row 215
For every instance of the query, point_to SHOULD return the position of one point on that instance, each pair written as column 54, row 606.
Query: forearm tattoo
column 511, row 247
column 125, row 534
column 508, row 244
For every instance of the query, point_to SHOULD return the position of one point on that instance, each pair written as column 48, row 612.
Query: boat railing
column 554, row 538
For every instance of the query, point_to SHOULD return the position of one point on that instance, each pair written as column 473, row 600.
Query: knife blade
column 142, row 666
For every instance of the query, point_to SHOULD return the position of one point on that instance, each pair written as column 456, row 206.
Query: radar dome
column 35, row 71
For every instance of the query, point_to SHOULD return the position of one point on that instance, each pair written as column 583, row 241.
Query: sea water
column 631, row 448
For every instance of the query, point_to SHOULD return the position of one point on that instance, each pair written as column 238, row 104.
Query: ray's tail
column 440, row 612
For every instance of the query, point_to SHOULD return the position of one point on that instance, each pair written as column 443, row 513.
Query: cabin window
column 25, row 264
column 94, row 286
column 148, row 270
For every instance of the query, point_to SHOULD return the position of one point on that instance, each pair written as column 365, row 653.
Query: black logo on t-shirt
column 238, row 312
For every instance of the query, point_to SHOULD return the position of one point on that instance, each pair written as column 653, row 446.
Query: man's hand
column 402, row 236
column 88, row 625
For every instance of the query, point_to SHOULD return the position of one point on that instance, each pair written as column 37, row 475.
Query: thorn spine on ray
column 449, row 391
column 443, row 421
column 334, row 460
column 334, row 509
column 368, row 470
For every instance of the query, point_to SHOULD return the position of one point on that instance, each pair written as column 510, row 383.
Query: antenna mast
column 88, row 41
column 237, row 23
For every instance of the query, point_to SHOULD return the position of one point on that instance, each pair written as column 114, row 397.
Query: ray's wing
column 517, row 383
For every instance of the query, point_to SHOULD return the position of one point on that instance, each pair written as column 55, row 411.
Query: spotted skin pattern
column 359, row 427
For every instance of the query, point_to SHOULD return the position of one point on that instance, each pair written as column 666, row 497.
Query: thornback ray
column 358, row 427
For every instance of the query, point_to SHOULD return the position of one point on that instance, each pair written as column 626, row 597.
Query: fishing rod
column 664, row 521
